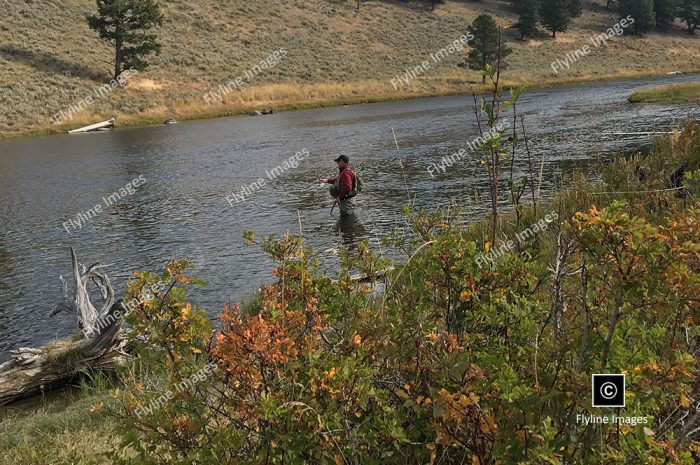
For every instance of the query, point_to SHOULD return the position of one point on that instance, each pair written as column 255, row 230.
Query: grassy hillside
column 49, row 59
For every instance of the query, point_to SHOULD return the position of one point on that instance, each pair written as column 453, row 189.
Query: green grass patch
column 674, row 93
column 60, row 429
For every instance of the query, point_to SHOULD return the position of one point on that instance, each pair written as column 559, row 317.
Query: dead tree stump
column 98, row 346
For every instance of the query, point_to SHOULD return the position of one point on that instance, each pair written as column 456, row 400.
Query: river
column 179, row 208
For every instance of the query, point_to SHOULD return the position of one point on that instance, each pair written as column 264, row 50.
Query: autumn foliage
column 445, row 361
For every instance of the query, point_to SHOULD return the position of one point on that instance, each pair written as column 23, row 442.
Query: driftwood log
column 98, row 346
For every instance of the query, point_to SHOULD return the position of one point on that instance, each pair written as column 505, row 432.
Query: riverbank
column 58, row 429
column 324, row 96
column 674, row 93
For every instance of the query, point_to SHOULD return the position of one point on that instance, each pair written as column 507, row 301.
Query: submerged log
column 367, row 278
column 98, row 346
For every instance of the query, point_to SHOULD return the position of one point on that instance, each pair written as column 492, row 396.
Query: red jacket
column 345, row 181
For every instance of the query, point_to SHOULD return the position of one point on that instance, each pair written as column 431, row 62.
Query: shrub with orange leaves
column 447, row 361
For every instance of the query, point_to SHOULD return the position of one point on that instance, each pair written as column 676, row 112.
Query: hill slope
column 49, row 59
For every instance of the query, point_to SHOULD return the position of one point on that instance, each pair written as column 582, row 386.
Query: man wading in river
column 345, row 186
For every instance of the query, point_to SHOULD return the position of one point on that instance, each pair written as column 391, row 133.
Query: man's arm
column 327, row 180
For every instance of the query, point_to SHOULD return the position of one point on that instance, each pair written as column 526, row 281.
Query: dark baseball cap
column 342, row 158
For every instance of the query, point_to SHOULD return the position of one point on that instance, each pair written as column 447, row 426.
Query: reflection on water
column 349, row 230
column 191, row 167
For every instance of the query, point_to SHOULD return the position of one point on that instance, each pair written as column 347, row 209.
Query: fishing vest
column 354, row 189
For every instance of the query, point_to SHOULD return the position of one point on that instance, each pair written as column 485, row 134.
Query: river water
column 179, row 208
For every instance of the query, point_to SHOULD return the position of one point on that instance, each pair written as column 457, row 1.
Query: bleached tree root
column 99, row 345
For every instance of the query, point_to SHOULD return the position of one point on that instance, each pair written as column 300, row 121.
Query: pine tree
column 643, row 13
column 557, row 14
column 529, row 11
column 484, row 45
column 690, row 13
column 126, row 24
column 575, row 8
column 666, row 11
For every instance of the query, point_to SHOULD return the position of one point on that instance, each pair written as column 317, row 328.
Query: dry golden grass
column 49, row 59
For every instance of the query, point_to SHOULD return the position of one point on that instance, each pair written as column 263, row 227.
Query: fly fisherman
column 345, row 186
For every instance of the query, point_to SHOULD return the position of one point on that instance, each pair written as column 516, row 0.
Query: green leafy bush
column 447, row 361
